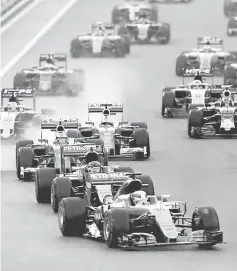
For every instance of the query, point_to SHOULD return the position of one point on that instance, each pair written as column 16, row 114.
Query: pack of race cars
column 69, row 163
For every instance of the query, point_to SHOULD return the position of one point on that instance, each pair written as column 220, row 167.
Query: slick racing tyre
column 229, row 74
column 195, row 119
column 61, row 188
column 19, row 81
column 75, row 49
column 205, row 218
column 23, row 143
column 116, row 222
column 154, row 15
column 149, row 188
column 180, row 65
column 165, row 33
column 139, row 124
column 141, row 139
column 72, row 217
column 168, row 100
column 24, row 158
column 43, row 182
column 115, row 15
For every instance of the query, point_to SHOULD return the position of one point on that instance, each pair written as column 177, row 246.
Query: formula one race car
column 146, row 31
column 74, row 184
column 134, row 218
column 76, row 159
column 181, row 99
column 230, row 74
column 204, row 57
column 132, row 9
column 232, row 27
column 217, row 120
column 50, row 79
column 121, row 140
column 103, row 41
column 14, row 117
column 230, row 7
column 47, row 152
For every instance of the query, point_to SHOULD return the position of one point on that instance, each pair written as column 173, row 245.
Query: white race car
column 14, row 117
column 209, row 54
column 180, row 100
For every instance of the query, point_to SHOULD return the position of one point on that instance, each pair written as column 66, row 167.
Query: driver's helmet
column 94, row 167
column 139, row 197
column 207, row 47
column 12, row 106
column 92, row 156
column 48, row 66
column 142, row 13
column 196, row 84
column 226, row 102
column 50, row 61
column 106, row 119
column 13, row 98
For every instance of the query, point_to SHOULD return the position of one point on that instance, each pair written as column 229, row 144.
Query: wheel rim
column 107, row 228
column 61, row 217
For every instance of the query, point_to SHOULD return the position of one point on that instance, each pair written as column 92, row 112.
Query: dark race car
column 130, row 10
column 232, row 26
column 134, row 217
column 143, row 31
column 230, row 7
column 103, row 41
column 50, row 78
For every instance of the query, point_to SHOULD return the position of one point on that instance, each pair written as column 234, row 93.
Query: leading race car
column 206, row 56
column 143, row 30
column 121, row 140
column 15, row 118
column 232, row 26
column 132, row 9
column 133, row 218
column 230, row 7
column 220, row 119
column 180, row 100
column 103, row 41
column 51, row 77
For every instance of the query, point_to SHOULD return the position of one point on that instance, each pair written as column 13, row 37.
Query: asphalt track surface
column 201, row 172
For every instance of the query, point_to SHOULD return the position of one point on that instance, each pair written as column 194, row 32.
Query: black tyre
column 229, row 74
column 145, row 179
column 141, row 137
column 115, row 15
column 180, row 65
column 195, row 119
column 168, row 99
column 116, row 222
column 165, row 33
column 25, row 156
column 23, row 143
column 139, row 124
column 154, row 15
column 43, row 181
column 19, row 81
column 75, row 49
column 72, row 217
column 61, row 188
column 205, row 218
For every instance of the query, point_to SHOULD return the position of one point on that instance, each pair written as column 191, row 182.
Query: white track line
column 33, row 42
column 20, row 15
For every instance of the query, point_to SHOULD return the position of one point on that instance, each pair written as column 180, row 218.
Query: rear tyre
column 25, row 156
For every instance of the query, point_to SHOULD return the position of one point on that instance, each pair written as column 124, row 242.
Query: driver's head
column 50, row 61
column 139, row 197
column 94, row 167
column 13, row 98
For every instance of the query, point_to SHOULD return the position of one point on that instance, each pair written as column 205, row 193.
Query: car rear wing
column 99, row 107
column 67, row 123
column 212, row 40
column 19, row 93
column 81, row 149
column 193, row 71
